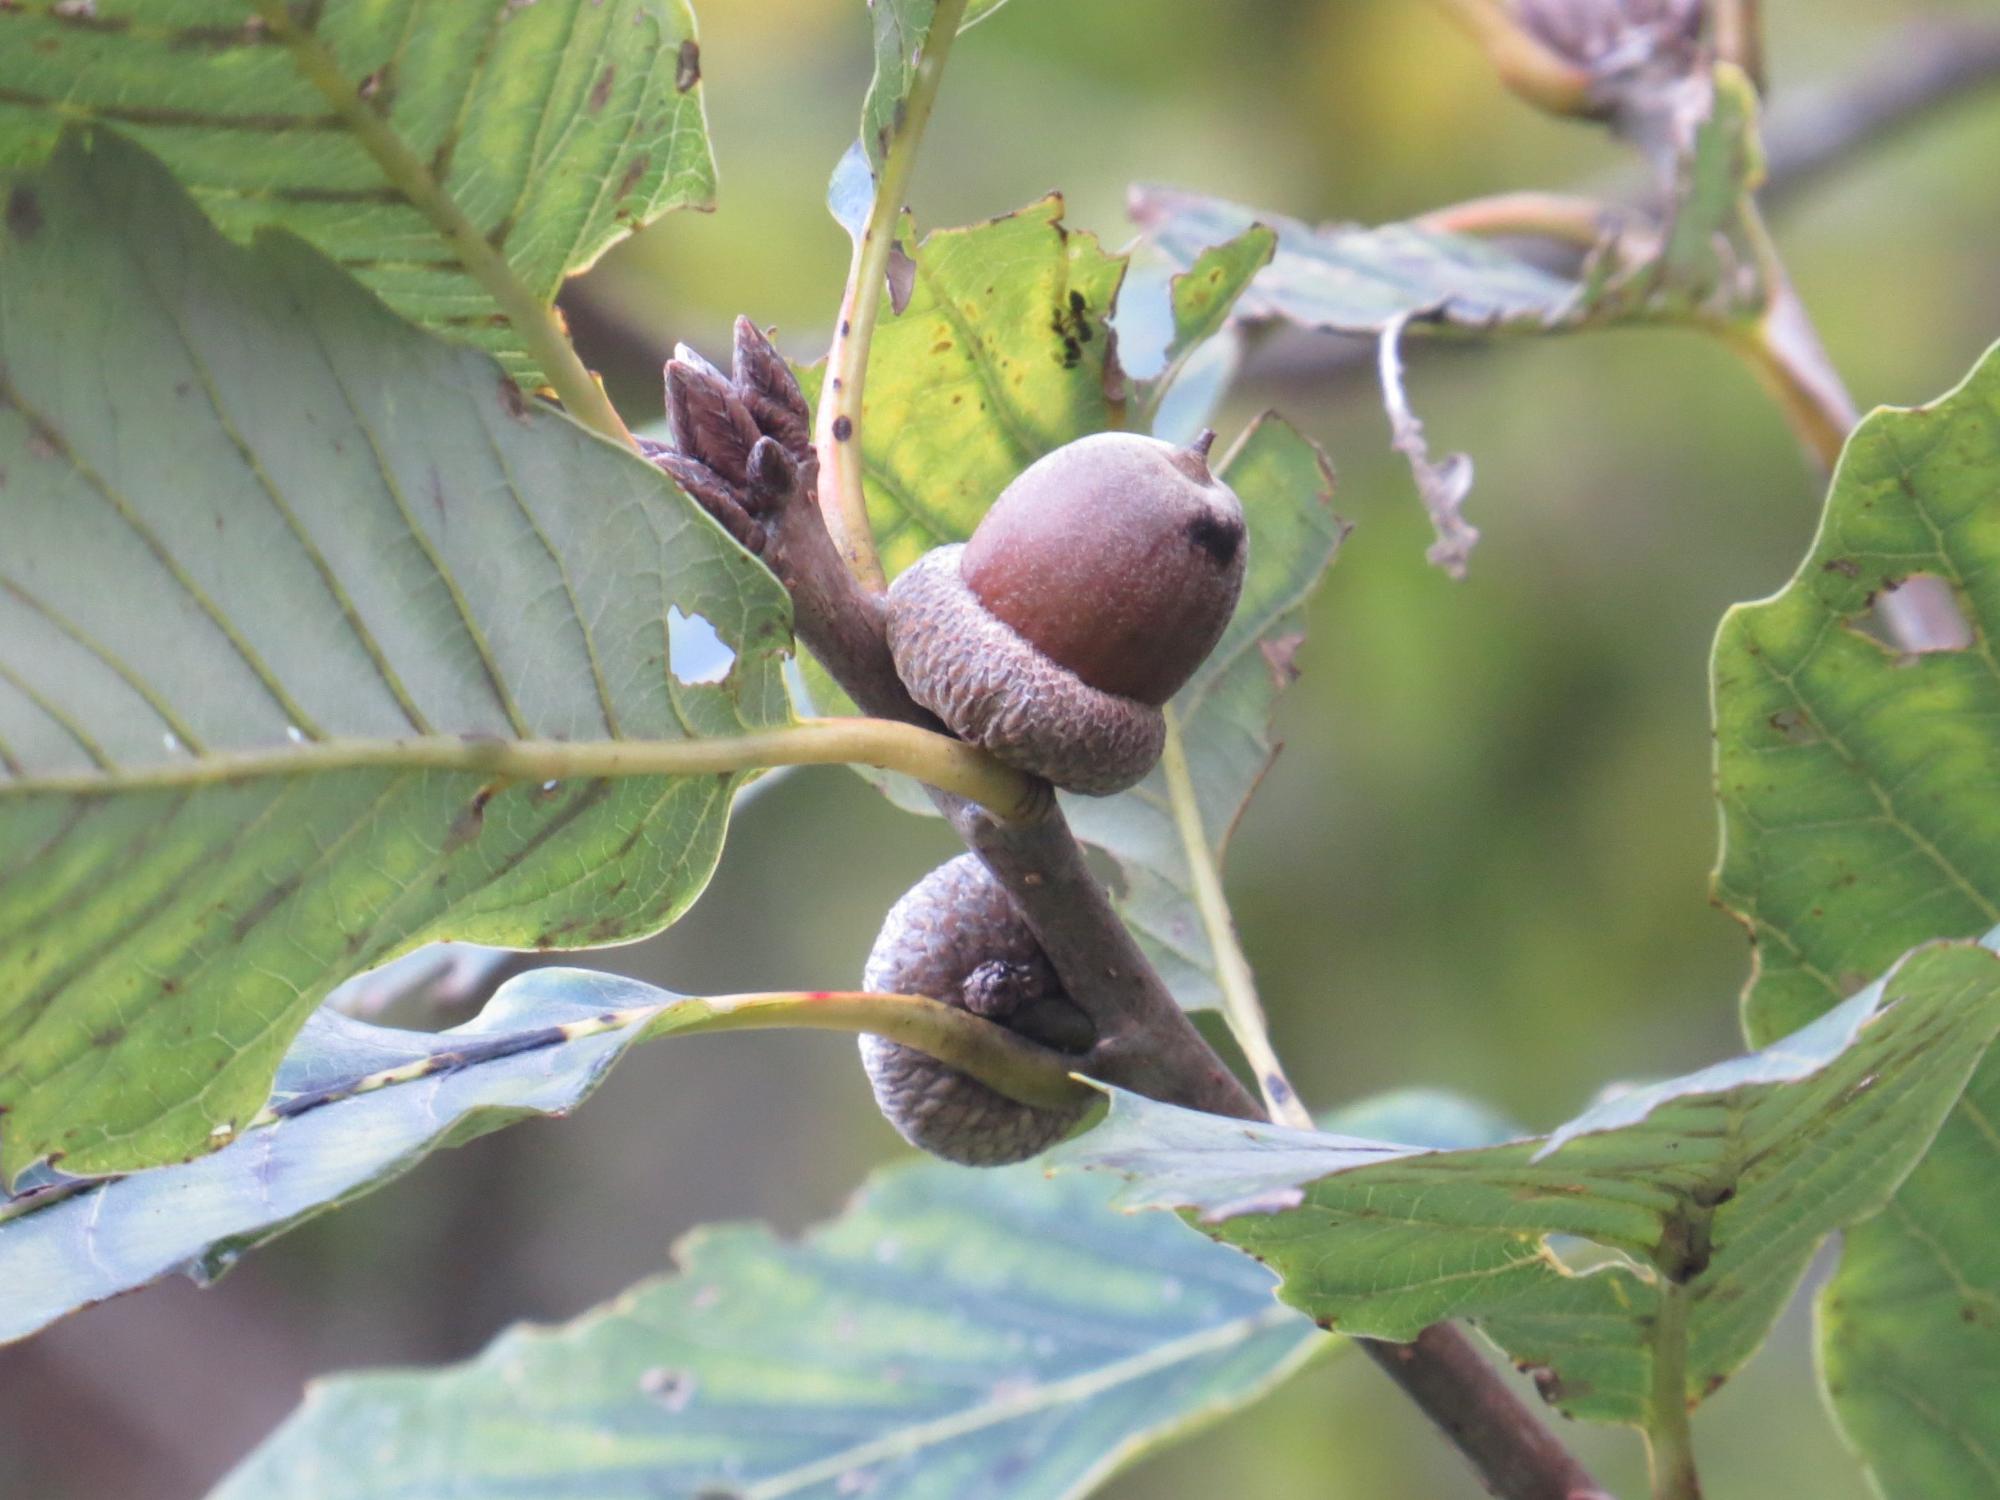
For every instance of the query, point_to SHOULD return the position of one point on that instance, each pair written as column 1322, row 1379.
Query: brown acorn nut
column 955, row 936
column 1097, row 583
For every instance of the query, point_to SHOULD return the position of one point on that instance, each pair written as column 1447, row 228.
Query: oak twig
column 1808, row 134
column 1145, row 1041
column 1514, row 1451
column 1739, row 37
column 1929, row 67
column 1571, row 219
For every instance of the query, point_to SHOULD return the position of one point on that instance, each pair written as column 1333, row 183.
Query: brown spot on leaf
column 901, row 274
column 263, row 906
column 466, row 826
column 687, row 66
column 1796, row 725
column 378, row 89
column 1548, row 1383
column 512, row 399
column 24, row 213
column 633, row 173
column 1280, row 655
column 600, row 92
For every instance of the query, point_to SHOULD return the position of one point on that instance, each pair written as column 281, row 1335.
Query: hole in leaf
column 1919, row 615
column 695, row 653
column 673, row 1389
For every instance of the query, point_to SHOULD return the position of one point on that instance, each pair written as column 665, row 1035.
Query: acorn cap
column 995, row 689
column 1119, row 556
column 956, row 936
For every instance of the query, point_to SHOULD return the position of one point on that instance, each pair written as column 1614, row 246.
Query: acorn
column 1088, row 595
column 957, row 937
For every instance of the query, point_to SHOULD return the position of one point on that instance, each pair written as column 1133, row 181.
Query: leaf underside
column 1357, row 279
column 354, row 1106
column 1350, row 279
column 248, row 510
column 1860, row 796
column 952, row 1335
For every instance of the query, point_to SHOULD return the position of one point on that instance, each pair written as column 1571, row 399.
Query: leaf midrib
column 1080, row 1387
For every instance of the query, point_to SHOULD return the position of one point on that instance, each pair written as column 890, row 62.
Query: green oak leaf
column 998, row 358
column 1192, row 321
column 554, row 129
column 1860, row 814
column 951, row 1334
column 1715, row 1190
column 281, row 573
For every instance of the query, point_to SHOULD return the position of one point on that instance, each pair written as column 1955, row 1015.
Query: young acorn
column 1092, row 589
column 955, row 936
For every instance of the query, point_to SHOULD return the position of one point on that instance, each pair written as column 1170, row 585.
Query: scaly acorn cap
column 956, row 936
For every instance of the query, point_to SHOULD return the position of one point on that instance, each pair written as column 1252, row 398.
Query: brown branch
column 1514, row 1451
column 1929, row 68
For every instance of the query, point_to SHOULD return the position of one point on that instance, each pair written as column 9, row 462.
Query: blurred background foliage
column 1482, row 861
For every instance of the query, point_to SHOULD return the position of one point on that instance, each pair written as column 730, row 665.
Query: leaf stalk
column 1240, row 1006
column 1784, row 352
column 1669, row 1433
column 1523, row 61
column 935, row 759
column 837, row 435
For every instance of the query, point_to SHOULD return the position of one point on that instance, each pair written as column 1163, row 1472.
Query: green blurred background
column 1482, row 861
